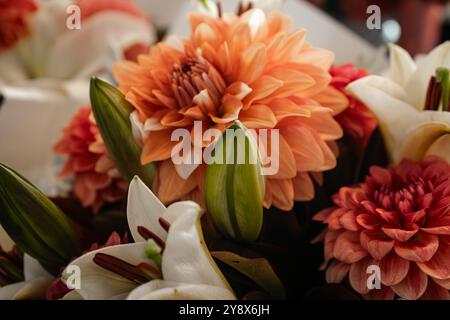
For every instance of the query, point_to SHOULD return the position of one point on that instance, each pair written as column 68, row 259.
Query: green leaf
column 235, row 185
column 35, row 223
column 258, row 270
column 111, row 112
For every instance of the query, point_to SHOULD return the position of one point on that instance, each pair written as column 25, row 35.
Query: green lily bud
column 153, row 252
column 34, row 222
column 235, row 185
column 111, row 112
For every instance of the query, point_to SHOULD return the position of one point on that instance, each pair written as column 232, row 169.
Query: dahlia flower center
column 403, row 199
column 191, row 77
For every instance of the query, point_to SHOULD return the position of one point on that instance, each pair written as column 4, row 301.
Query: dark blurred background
column 416, row 25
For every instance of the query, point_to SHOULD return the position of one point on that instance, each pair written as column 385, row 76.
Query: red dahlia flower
column 357, row 121
column 96, row 179
column 398, row 220
column 13, row 25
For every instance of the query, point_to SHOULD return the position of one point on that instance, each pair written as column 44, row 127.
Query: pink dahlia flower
column 13, row 20
column 397, row 220
column 357, row 121
column 97, row 181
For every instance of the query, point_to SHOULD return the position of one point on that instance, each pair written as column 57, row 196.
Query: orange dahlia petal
column 348, row 248
column 157, row 146
column 413, row 286
column 439, row 265
column 303, row 187
column 420, row 248
column 393, row 269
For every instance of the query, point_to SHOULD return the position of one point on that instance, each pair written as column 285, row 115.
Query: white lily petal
column 402, row 65
column 6, row 243
column 113, row 27
column 34, row 289
column 186, row 256
column 418, row 141
column 418, row 83
column 11, row 68
column 168, row 290
column 395, row 117
column 144, row 209
column 440, row 147
column 32, row 269
column 9, row 291
column 98, row 283
column 72, row 295
column 266, row 5
column 46, row 25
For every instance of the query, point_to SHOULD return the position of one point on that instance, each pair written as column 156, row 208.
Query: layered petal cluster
column 13, row 21
column 398, row 221
column 412, row 123
column 252, row 68
column 185, row 270
column 357, row 121
column 107, row 29
column 96, row 180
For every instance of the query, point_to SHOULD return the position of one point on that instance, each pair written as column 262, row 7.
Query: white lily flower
column 35, row 285
column 188, row 270
column 398, row 102
column 44, row 79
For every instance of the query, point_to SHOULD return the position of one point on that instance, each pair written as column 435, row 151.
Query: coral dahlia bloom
column 399, row 220
column 96, row 180
column 357, row 121
column 13, row 24
column 250, row 68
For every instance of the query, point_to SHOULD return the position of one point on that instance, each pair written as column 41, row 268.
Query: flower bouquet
column 239, row 162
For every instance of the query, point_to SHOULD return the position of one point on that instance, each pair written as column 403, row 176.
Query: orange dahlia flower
column 96, row 180
column 13, row 24
column 398, row 220
column 357, row 121
column 250, row 68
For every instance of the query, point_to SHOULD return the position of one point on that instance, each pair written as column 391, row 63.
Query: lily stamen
column 164, row 224
column 122, row 268
column 148, row 234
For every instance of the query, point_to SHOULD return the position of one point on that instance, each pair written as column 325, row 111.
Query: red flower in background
column 13, row 24
column 356, row 120
column 399, row 220
column 89, row 8
column 97, row 181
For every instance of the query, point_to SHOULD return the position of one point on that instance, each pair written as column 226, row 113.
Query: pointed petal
column 186, row 257
column 144, row 209
column 420, row 248
column 418, row 83
column 402, row 65
column 98, row 283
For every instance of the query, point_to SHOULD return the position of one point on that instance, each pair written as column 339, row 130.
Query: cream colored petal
column 186, row 257
column 416, row 87
column 117, row 30
column 168, row 290
column 144, row 209
column 6, row 242
column 440, row 147
column 11, row 68
column 419, row 140
column 402, row 65
column 395, row 117
column 72, row 295
column 32, row 269
column 34, row 289
column 98, row 283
